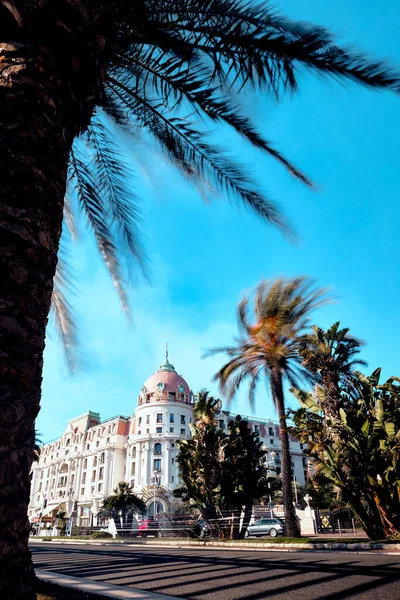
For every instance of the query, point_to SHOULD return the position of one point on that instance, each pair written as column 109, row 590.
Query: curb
column 106, row 590
column 371, row 547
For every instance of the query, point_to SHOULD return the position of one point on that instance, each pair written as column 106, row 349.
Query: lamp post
column 70, row 506
column 156, row 481
column 272, row 461
column 295, row 488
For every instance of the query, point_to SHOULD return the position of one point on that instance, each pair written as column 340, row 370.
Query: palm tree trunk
column 292, row 528
column 36, row 133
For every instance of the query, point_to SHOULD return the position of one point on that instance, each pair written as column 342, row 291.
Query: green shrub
column 100, row 534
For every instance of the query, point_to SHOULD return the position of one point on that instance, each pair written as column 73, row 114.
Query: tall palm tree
column 70, row 71
column 268, row 348
column 205, row 408
column 333, row 356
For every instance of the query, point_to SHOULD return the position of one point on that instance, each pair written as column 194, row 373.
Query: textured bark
column 36, row 134
column 292, row 528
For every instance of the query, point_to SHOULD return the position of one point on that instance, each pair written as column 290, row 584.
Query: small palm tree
column 333, row 356
column 121, row 502
column 269, row 348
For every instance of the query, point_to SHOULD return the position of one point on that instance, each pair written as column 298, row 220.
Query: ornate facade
column 76, row 471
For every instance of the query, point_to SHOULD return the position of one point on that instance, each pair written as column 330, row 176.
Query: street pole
column 295, row 488
column 156, row 479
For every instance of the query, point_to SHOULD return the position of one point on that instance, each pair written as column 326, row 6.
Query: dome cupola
column 165, row 385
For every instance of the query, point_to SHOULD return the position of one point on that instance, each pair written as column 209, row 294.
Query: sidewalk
column 317, row 546
column 107, row 590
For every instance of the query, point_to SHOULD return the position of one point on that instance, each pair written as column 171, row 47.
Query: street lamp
column 272, row 461
column 156, row 481
column 70, row 507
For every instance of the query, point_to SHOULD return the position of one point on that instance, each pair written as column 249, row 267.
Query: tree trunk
column 36, row 133
column 292, row 528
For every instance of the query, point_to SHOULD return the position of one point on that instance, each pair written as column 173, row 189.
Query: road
column 229, row 575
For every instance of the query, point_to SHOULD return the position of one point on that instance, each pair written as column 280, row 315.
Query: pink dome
column 165, row 385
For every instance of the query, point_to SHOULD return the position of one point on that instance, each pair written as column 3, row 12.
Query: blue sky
column 203, row 256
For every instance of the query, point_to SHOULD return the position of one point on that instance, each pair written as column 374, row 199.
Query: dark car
column 272, row 527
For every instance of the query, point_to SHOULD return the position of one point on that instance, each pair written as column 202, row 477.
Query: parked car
column 272, row 527
column 147, row 527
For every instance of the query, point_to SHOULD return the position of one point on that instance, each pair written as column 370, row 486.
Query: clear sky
column 204, row 255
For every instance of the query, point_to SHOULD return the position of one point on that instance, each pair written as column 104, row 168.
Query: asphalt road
column 229, row 575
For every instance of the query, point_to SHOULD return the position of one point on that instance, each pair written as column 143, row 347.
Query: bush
column 100, row 534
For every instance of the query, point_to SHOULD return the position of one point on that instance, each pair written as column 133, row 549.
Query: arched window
column 102, row 458
column 68, row 442
column 134, row 453
column 157, row 448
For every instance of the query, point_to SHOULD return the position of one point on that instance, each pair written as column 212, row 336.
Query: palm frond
column 172, row 79
column 63, row 312
column 114, row 178
column 91, row 203
column 259, row 47
column 187, row 148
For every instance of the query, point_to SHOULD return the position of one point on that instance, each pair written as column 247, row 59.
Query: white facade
column 76, row 471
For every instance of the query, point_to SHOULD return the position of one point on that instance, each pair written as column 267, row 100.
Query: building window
column 92, row 489
column 85, row 463
column 158, row 429
column 157, row 448
column 147, row 430
column 171, row 418
column 72, row 479
column 157, row 464
column 108, row 440
column 271, row 441
column 82, row 491
column 172, row 479
column 183, row 420
column 102, row 458
column 171, row 430
column 95, row 461
column 133, row 468
column 87, row 446
column 173, row 461
column 257, row 429
column 84, row 478
column 41, row 475
column 99, row 487
column 159, row 417
column 134, row 453
column 94, row 475
column 97, row 444
column 140, row 421
column 183, row 431
column 221, row 424
column 139, row 432
column 101, row 473
column 147, row 419
column 271, row 431
column 132, row 483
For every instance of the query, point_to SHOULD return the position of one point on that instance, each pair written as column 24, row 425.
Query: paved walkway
column 217, row 574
